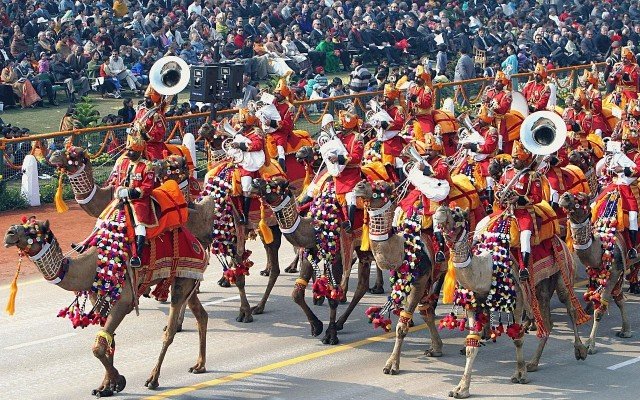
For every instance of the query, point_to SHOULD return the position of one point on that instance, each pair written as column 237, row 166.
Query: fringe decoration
column 61, row 206
column 11, row 304
column 265, row 230
column 449, row 287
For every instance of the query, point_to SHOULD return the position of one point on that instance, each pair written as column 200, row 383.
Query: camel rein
column 380, row 222
column 287, row 215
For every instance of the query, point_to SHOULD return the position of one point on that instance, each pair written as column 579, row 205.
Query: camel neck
column 82, row 184
column 461, row 249
column 581, row 234
column 287, row 215
column 70, row 274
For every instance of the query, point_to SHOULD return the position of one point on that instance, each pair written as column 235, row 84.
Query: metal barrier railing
column 104, row 143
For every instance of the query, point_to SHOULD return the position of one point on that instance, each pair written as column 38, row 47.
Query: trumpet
column 415, row 158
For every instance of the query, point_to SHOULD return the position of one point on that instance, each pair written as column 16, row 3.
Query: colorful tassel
column 365, row 242
column 11, row 304
column 265, row 231
column 449, row 286
column 61, row 206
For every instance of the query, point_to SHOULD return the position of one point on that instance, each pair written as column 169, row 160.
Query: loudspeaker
column 230, row 81
column 204, row 87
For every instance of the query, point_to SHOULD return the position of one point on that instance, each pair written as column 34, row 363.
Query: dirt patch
column 72, row 226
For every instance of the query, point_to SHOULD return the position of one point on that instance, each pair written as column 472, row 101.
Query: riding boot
column 490, row 199
column 246, row 207
column 440, row 253
column 351, row 213
column 400, row 173
column 633, row 253
column 524, row 267
column 282, row 163
column 136, row 261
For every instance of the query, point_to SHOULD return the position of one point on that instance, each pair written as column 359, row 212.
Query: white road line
column 624, row 364
column 214, row 302
column 51, row 339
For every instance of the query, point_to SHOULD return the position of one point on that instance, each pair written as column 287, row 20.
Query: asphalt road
column 42, row 357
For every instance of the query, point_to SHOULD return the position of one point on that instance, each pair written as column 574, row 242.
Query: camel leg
column 428, row 315
column 331, row 335
column 180, row 290
column 598, row 314
column 273, row 260
column 202, row 318
column 345, row 273
column 245, row 307
column 393, row 363
column 306, row 270
column 520, row 376
column 364, row 268
column 564, row 294
column 471, row 350
column 625, row 332
column 293, row 267
column 543, row 293
column 378, row 287
column 113, row 381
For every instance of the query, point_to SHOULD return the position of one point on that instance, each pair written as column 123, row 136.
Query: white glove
column 122, row 193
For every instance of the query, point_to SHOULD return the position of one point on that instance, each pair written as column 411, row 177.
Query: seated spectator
column 19, row 44
column 62, row 72
column 332, row 61
column 42, row 84
column 320, row 77
column 44, row 66
column 291, row 51
column 22, row 87
column 118, row 70
column 109, row 85
column 189, row 54
column 360, row 76
column 127, row 112
column 278, row 61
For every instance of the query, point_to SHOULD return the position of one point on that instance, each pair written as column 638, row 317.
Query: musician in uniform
column 283, row 128
column 496, row 103
column 391, row 94
column 626, row 78
column 591, row 99
column 537, row 92
column 134, row 179
column 436, row 166
column 581, row 133
column 150, row 122
column 248, row 127
column 612, row 60
column 521, row 188
column 421, row 98
column 350, row 176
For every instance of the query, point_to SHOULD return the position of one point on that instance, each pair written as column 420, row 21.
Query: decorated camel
column 486, row 284
column 391, row 252
column 605, row 257
column 180, row 266
column 301, row 233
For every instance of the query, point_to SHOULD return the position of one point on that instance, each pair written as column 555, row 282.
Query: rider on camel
column 525, row 191
column 537, row 92
column 421, row 99
column 496, row 103
column 283, row 128
column 591, row 99
column 150, row 122
column 626, row 78
column 134, row 180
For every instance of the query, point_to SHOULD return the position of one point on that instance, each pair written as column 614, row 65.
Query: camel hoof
column 334, row 340
column 102, row 393
column 592, row 350
column 120, row 384
column 244, row 317
column 257, row 310
column 316, row 328
column 519, row 377
column 377, row 290
column 339, row 325
column 433, row 353
column 531, row 367
column 291, row 270
column 390, row 371
column 459, row 393
column 580, row 351
column 152, row 384
column 264, row 272
column 624, row 335
column 318, row 301
column 197, row 369
column 223, row 282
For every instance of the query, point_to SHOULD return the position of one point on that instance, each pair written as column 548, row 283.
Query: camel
column 388, row 251
column 202, row 213
column 589, row 249
column 299, row 232
column 474, row 272
column 37, row 241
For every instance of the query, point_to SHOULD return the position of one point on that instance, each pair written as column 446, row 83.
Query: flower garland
column 113, row 247
column 326, row 213
column 223, row 233
column 401, row 278
column 605, row 228
column 374, row 153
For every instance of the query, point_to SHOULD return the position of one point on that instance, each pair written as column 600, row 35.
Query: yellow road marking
column 20, row 283
column 277, row 365
column 580, row 283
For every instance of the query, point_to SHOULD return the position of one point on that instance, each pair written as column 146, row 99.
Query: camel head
column 576, row 206
column 172, row 167
column 29, row 236
column 497, row 166
column 273, row 191
column 376, row 193
column 306, row 154
column 212, row 135
column 69, row 160
column 579, row 158
column 451, row 221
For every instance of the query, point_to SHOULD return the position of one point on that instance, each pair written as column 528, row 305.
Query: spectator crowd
column 109, row 46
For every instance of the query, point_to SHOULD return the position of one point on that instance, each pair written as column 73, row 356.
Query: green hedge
column 12, row 199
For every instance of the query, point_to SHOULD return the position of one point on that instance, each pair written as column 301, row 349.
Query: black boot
column 351, row 213
column 633, row 253
column 440, row 253
column 282, row 163
column 524, row 272
column 136, row 261
column 400, row 173
column 490, row 199
column 79, row 248
column 246, row 206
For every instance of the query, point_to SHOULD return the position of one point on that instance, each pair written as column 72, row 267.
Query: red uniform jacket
column 256, row 144
column 629, row 200
column 397, row 113
column 440, row 168
column 569, row 116
column 537, row 95
column 589, row 122
column 422, row 108
column 285, row 125
column 489, row 147
column 350, row 176
column 155, row 128
column 530, row 187
column 138, row 175
column 626, row 79
column 503, row 99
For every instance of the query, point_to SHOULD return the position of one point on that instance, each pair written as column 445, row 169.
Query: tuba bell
column 169, row 75
column 543, row 133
